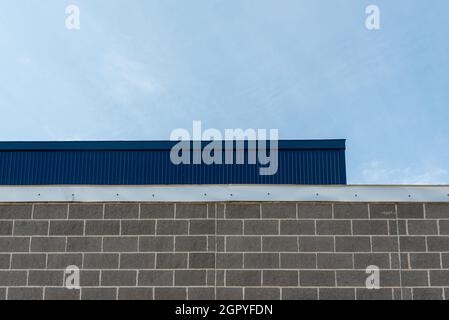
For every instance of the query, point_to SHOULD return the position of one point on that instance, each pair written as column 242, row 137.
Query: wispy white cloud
column 128, row 78
column 376, row 172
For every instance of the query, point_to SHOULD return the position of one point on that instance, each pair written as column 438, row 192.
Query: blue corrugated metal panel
column 148, row 162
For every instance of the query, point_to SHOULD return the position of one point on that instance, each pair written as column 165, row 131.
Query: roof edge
column 151, row 145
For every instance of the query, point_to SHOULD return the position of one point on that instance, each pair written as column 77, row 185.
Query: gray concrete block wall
column 224, row 250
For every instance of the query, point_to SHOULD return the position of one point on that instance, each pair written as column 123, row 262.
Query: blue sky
column 139, row 69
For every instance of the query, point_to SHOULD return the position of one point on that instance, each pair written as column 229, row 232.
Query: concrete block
column 333, row 227
column 30, row 227
column 101, row 261
column 229, row 260
column 385, row 244
column 201, row 293
column 191, row 243
column 61, row 293
column 5, row 260
column 156, row 244
column 230, row 227
column 414, row 278
column 412, row 244
column 120, row 244
column 63, row 260
column 89, row 278
column 261, row 260
column 190, row 277
column 242, row 244
column 439, row 278
column 191, row 211
column 351, row 278
column 438, row 243
column 382, row 211
column 425, row 261
column 444, row 227
column 242, row 278
column 299, row 294
column 156, row 278
column 198, row 227
column 121, row 211
column 102, row 227
column 25, row 293
column 369, row 294
column 172, row 227
column 279, row 244
column 314, row 211
column 157, row 211
column 316, row 244
column 351, row 211
column 137, row 261
column 363, row 260
column 410, row 211
column 138, row 227
column 210, row 277
column 135, row 294
column 202, row 260
column 15, row 211
column 262, row 294
column 86, row 211
column 98, row 293
column 118, row 278
column 50, row 211
column 5, row 228
column 422, row 227
column 313, row 278
column 66, row 228
column 171, row 261
column 427, row 293
column 297, row 227
column 48, row 244
column 13, row 278
column 280, row 278
column 219, row 278
column 370, row 227
column 14, row 244
column 45, row 278
column 334, row 261
column 211, row 243
column 28, row 261
column 220, row 211
column 298, row 260
column 279, row 210
column 352, row 244
column 389, row 278
column 170, row 293
column 261, row 227
column 229, row 294
column 337, row 293
column 83, row 244
column 444, row 260
column 242, row 211
column 436, row 210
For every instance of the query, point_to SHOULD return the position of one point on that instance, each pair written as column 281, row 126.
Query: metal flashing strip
column 222, row 193
column 322, row 144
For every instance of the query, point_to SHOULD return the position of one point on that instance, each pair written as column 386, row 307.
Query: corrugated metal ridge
column 324, row 144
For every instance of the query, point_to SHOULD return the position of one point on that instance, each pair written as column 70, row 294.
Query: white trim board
column 214, row 193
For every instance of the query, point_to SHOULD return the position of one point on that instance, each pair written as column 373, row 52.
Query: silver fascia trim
column 221, row 193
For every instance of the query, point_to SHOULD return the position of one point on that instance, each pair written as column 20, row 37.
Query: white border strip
column 207, row 193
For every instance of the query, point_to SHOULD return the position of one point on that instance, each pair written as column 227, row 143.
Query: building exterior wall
column 257, row 250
